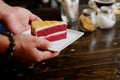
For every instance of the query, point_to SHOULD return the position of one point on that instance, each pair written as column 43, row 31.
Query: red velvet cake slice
column 50, row 30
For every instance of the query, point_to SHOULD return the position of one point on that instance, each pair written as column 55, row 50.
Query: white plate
column 72, row 35
column 57, row 46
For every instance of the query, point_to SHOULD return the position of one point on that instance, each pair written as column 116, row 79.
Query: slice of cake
column 50, row 30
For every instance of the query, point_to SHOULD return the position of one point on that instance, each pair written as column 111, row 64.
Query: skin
column 29, row 49
column 16, row 19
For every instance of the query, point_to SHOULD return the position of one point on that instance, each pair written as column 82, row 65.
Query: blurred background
column 33, row 4
column 42, row 8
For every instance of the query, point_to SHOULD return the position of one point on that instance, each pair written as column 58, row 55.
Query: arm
column 16, row 19
column 4, row 44
column 4, row 9
column 29, row 49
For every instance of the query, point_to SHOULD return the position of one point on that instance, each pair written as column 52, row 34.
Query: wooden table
column 94, row 56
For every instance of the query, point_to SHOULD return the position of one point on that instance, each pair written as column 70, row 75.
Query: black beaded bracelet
column 11, row 48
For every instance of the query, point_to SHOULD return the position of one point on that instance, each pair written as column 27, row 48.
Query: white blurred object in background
column 59, row 0
column 54, row 3
column 106, row 18
column 70, row 10
column 45, row 1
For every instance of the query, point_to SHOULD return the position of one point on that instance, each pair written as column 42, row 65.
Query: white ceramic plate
column 57, row 46
column 72, row 35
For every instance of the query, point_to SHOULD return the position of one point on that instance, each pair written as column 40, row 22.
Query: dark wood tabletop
column 94, row 56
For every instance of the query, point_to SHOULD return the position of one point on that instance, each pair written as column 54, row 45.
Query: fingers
column 41, row 51
column 34, row 17
column 44, row 55
column 37, row 18
column 42, row 43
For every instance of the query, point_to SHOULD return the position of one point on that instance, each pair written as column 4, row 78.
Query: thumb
column 26, row 30
column 34, row 17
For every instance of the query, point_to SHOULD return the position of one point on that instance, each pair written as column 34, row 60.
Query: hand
column 17, row 19
column 28, row 50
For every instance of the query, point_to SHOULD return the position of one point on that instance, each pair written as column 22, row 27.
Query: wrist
column 11, row 48
column 4, row 42
column 4, row 9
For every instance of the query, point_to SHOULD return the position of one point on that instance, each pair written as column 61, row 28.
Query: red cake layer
column 50, row 30
column 57, row 37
